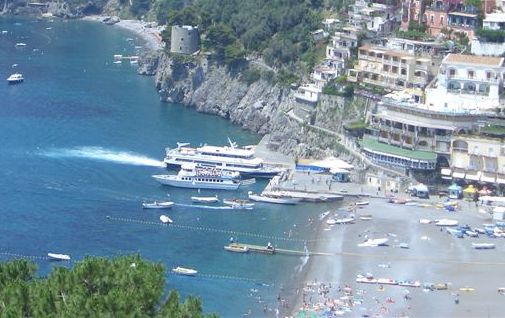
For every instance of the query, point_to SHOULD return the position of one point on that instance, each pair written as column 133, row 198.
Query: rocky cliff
column 260, row 107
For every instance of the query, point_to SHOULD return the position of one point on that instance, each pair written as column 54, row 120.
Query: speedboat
column 273, row 199
column 184, row 271
column 20, row 44
column 483, row 246
column 238, row 203
column 323, row 215
column 344, row 220
column 374, row 242
column 446, row 222
column 58, row 257
column 362, row 203
column 237, row 248
column 157, row 205
column 230, row 158
column 15, row 78
column 205, row 199
column 165, row 219
column 197, row 177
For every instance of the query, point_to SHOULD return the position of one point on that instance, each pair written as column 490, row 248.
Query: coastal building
column 467, row 83
column 404, row 134
column 481, row 46
column 410, row 10
column 378, row 16
column 308, row 94
column 185, row 39
column 477, row 158
column 392, row 69
column 465, row 20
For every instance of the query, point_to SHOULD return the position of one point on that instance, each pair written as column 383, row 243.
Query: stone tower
column 185, row 39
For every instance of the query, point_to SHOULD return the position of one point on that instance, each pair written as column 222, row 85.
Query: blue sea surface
column 79, row 141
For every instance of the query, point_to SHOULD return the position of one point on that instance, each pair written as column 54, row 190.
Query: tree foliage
column 96, row 287
column 278, row 29
column 494, row 36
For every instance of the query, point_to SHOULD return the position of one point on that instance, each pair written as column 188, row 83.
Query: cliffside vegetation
column 96, row 287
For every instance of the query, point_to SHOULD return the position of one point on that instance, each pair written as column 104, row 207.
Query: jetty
column 274, row 250
column 120, row 57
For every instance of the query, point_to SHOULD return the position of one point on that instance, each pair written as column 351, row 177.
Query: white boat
column 196, row 177
column 165, row 219
column 483, row 246
column 374, row 242
column 367, row 217
column 15, row 78
column 58, row 257
column 273, row 199
column 386, row 281
column 331, row 221
column 20, row 44
column 205, row 199
column 409, row 283
column 362, row 203
column 229, row 158
column 134, row 62
column 323, row 215
column 239, row 203
column 344, row 221
column 158, row 205
column 237, row 248
column 446, row 222
column 184, row 271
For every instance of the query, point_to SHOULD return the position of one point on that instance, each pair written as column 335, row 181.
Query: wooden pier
column 274, row 250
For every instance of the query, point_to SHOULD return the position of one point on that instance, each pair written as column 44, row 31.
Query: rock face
column 260, row 107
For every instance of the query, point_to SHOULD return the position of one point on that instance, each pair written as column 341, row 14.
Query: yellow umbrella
column 470, row 190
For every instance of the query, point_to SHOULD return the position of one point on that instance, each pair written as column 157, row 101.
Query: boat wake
column 304, row 259
column 103, row 154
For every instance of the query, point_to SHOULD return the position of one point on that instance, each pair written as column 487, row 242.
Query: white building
column 308, row 94
column 494, row 21
column 467, row 83
column 376, row 17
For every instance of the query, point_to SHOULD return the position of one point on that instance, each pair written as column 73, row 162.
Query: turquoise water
column 80, row 139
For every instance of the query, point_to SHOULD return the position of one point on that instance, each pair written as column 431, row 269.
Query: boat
column 58, row 257
column 374, row 242
column 323, row 215
column 237, row 248
column 184, row 271
column 157, row 205
column 304, row 196
column 483, row 246
column 386, row 281
column 15, row 78
column 446, row 222
column 409, row 283
column 165, row 219
column 331, row 221
column 471, row 233
column 196, row 177
column 213, row 199
column 344, row 221
column 231, row 158
column 361, row 203
column 273, row 199
column 467, row 289
column 20, row 44
column 366, row 217
column 239, row 203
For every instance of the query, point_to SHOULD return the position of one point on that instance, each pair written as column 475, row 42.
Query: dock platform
column 265, row 250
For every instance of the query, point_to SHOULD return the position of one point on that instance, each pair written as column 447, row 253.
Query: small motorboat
column 323, row 215
column 344, row 221
column 238, row 203
column 58, row 257
column 366, row 217
column 374, row 242
column 205, row 199
column 165, row 219
column 184, row 271
column 446, row 222
column 483, row 246
column 331, row 221
column 237, row 248
column 20, row 44
column 157, row 205
column 15, row 78
column 362, row 203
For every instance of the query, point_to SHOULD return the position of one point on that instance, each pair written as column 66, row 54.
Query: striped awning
column 488, row 177
column 445, row 171
column 473, row 175
column 500, row 179
column 458, row 174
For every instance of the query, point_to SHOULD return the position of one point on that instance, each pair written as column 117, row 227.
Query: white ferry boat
column 15, row 78
column 229, row 158
column 196, row 177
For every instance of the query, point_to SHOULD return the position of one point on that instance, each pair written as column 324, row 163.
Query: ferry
column 15, row 78
column 229, row 158
column 196, row 177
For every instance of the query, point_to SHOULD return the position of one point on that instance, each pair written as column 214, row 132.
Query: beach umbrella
column 454, row 187
column 484, row 191
column 470, row 189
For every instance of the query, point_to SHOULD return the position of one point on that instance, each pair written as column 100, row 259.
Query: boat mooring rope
column 207, row 229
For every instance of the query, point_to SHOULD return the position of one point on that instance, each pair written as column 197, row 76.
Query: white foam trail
column 102, row 154
column 304, row 260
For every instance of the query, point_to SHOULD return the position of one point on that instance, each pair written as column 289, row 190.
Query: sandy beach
column 151, row 35
column 433, row 256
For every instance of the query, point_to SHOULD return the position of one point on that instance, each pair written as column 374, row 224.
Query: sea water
column 79, row 141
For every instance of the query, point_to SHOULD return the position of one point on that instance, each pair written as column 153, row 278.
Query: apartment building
column 392, row 69
column 467, row 83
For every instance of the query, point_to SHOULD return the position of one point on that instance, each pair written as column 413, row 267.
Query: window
column 441, row 21
column 452, row 72
column 432, row 19
column 471, row 74
column 491, row 151
column 404, row 71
